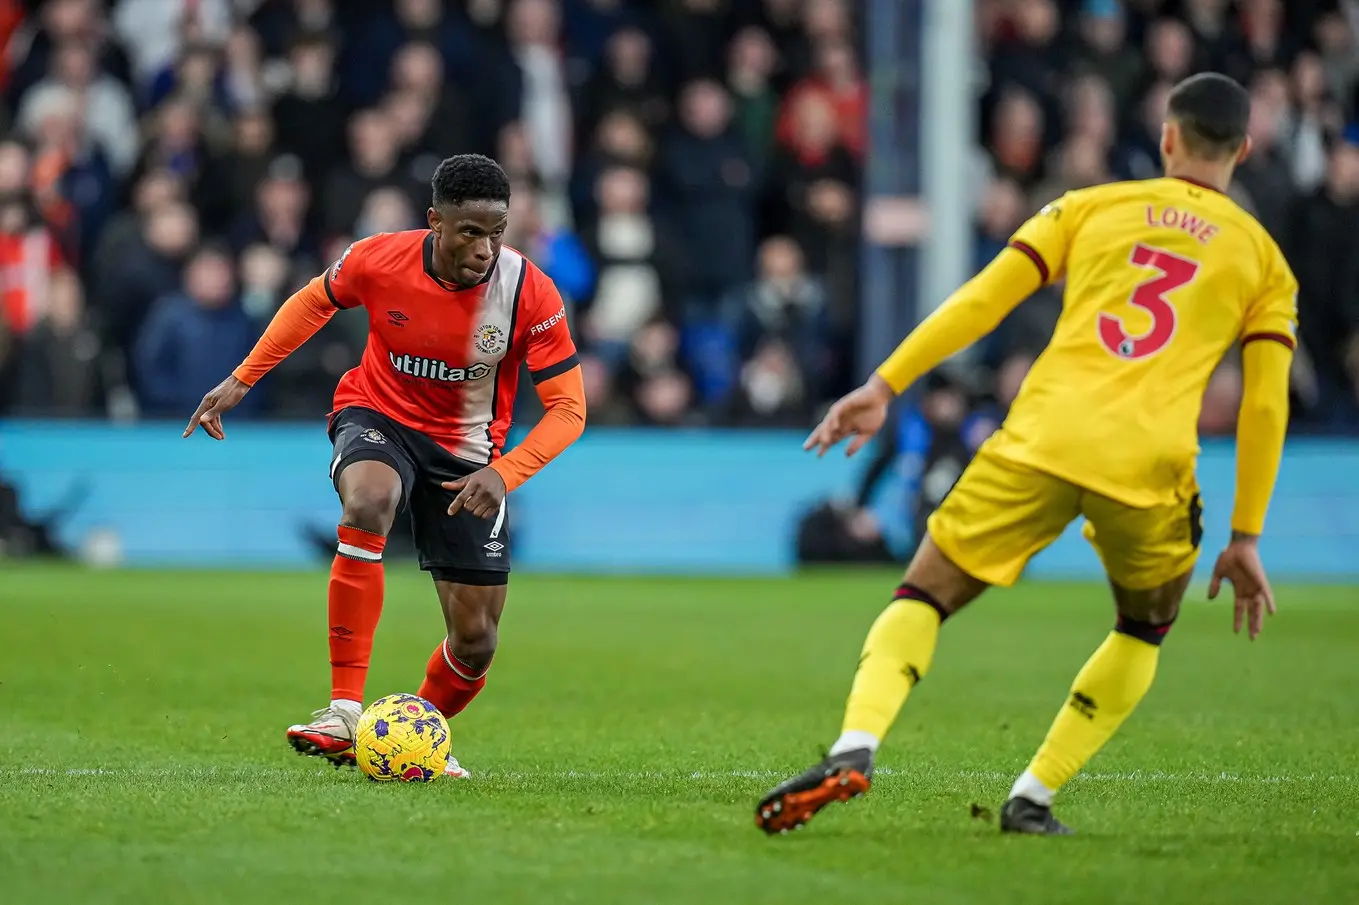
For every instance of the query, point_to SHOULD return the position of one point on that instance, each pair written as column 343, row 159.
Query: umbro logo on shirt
column 396, row 318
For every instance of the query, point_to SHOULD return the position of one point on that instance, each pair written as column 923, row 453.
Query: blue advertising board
column 634, row 501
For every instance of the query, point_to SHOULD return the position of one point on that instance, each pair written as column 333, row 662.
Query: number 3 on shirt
column 1150, row 296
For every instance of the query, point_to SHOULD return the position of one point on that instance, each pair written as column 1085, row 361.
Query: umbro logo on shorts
column 493, row 548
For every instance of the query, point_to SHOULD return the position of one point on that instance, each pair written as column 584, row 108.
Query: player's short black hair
column 1213, row 112
column 469, row 177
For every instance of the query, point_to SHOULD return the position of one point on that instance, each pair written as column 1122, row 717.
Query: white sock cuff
column 458, row 667
column 1028, row 786
column 349, row 551
column 853, row 740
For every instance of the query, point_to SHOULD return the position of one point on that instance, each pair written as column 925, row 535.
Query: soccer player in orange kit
column 420, row 425
column 1162, row 276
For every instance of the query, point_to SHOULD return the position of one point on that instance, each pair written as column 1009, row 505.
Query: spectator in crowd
column 194, row 336
column 628, row 81
column 1102, row 50
column 620, row 140
column 30, row 262
column 557, row 250
column 418, row 73
column 310, row 115
column 374, row 162
column 750, row 79
column 533, row 28
column 783, row 320
column 624, row 242
column 815, row 180
column 654, row 377
column 1017, row 136
column 63, row 23
column 1322, row 244
column 57, row 366
column 368, row 62
column 154, row 32
column 70, row 179
column 1263, row 184
column 922, row 452
column 709, row 191
column 279, row 217
column 838, row 83
column 1313, row 117
column 129, row 284
column 110, row 118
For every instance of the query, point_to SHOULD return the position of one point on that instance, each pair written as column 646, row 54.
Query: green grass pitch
column 627, row 730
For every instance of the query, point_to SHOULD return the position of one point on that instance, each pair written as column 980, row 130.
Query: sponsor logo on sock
column 1083, row 704
column 340, row 632
column 912, row 675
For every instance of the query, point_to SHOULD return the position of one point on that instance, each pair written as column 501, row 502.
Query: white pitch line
column 1136, row 776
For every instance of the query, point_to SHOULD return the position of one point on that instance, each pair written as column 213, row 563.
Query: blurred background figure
column 193, row 336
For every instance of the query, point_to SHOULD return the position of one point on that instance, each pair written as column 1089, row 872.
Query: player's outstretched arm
column 297, row 321
column 973, row 311
column 968, row 315
column 1261, row 426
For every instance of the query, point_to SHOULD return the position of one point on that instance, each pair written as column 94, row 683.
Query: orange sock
column 450, row 684
column 356, row 581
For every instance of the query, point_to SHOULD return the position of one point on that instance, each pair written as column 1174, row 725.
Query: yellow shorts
column 1000, row 514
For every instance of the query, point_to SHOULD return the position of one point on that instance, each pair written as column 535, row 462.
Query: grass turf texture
column 627, row 730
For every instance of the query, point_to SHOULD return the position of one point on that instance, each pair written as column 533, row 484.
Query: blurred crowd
column 1074, row 95
column 685, row 170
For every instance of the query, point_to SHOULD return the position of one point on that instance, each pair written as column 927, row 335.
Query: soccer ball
column 402, row 737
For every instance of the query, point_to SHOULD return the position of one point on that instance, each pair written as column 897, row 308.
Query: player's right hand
column 1240, row 564
column 859, row 415
column 220, row 399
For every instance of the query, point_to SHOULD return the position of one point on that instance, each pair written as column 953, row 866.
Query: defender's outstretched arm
column 973, row 311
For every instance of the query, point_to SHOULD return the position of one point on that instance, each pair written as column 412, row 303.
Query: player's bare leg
column 1104, row 694
column 457, row 670
column 896, row 655
column 370, row 492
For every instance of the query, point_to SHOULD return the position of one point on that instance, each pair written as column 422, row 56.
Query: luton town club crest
column 490, row 339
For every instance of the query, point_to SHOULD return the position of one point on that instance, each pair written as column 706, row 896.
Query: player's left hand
column 480, row 493
column 1240, row 564
column 859, row 415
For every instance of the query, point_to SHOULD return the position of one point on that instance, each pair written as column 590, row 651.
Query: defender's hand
column 221, row 399
column 1240, row 564
column 860, row 415
column 480, row 493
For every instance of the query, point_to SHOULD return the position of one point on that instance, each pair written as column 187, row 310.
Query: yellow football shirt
column 1162, row 277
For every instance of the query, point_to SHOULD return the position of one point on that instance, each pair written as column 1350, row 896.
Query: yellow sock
column 896, row 655
column 1105, row 692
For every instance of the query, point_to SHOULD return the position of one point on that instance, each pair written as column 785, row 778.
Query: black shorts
column 461, row 548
